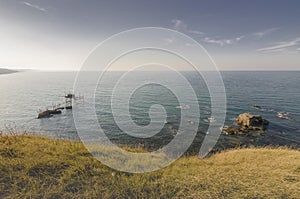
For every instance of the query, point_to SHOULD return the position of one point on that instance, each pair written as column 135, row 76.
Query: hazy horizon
column 225, row 70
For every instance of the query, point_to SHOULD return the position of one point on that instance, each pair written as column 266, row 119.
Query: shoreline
column 224, row 143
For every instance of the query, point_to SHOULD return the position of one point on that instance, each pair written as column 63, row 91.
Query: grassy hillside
column 35, row 167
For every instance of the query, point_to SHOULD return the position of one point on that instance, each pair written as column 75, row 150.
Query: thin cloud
column 215, row 41
column 275, row 50
column 223, row 42
column 190, row 44
column 34, row 6
column 169, row 41
column 265, row 32
column 178, row 24
column 281, row 45
column 240, row 38
column 196, row 32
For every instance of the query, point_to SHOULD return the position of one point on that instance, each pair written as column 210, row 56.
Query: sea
column 25, row 94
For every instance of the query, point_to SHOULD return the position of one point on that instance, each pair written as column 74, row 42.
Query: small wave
column 283, row 115
column 205, row 120
column 183, row 107
column 265, row 109
column 210, row 120
column 207, row 112
column 190, row 122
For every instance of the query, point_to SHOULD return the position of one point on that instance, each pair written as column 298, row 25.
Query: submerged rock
column 230, row 130
column 256, row 107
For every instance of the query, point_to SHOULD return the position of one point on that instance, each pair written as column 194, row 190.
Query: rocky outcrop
column 247, row 124
column 251, row 122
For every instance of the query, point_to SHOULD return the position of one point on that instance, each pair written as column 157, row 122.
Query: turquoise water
column 24, row 93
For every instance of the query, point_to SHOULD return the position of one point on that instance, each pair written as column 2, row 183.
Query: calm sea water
column 24, row 93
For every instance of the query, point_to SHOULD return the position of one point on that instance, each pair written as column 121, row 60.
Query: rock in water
column 230, row 130
column 256, row 107
column 248, row 124
column 248, row 121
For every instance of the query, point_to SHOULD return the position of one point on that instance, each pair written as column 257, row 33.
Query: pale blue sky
column 239, row 35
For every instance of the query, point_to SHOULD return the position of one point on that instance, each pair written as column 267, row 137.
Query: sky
column 238, row 35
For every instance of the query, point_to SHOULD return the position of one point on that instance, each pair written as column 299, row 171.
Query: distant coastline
column 7, row 71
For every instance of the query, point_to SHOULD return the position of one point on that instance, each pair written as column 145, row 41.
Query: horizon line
column 229, row 70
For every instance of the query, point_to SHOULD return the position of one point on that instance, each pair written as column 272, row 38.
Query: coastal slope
column 37, row 167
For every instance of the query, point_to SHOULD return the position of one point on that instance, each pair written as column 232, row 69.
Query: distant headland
column 7, row 71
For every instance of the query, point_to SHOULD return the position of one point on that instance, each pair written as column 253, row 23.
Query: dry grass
column 36, row 167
